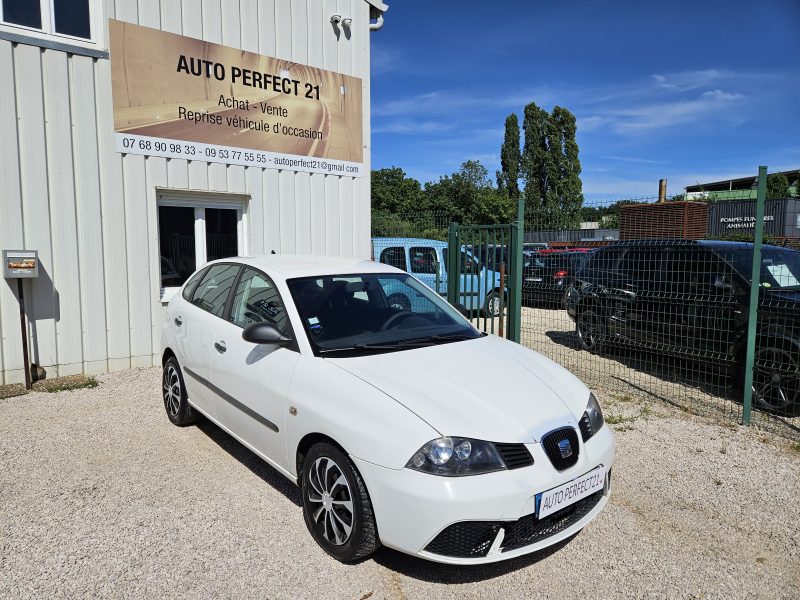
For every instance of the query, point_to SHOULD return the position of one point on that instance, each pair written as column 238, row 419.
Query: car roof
column 289, row 266
column 660, row 243
column 401, row 241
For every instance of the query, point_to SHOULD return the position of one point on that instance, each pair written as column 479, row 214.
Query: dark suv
column 690, row 299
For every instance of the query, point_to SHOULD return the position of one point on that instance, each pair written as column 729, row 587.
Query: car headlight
column 456, row 457
column 592, row 419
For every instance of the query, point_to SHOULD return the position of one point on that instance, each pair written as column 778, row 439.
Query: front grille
column 529, row 530
column 586, row 427
column 515, row 456
column 468, row 539
column 551, row 442
column 472, row 539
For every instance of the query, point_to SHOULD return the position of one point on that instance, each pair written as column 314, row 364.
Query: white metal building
column 94, row 214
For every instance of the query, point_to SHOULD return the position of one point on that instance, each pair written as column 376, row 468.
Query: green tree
column 468, row 196
column 551, row 168
column 777, row 186
column 508, row 177
column 567, row 186
column 534, row 163
column 394, row 192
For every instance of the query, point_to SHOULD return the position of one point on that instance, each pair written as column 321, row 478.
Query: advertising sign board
column 180, row 97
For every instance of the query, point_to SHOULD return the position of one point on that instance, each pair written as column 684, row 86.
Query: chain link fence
column 651, row 300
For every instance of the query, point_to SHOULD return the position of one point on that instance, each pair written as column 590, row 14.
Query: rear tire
column 491, row 306
column 336, row 506
column 590, row 330
column 176, row 401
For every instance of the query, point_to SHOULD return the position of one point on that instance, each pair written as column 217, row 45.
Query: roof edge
column 377, row 5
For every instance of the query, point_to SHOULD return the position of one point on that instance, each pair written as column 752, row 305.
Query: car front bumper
column 412, row 509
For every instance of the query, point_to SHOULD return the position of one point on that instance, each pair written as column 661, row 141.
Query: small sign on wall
column 20, row 264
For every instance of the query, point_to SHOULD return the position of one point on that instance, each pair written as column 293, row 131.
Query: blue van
column 479, row 288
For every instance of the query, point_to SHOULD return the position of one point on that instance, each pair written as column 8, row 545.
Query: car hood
column 783, row 295
column 487, row 388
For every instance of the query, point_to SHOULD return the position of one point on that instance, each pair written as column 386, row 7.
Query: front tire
column 336, row 506
column 590, row 330
column 176, row 401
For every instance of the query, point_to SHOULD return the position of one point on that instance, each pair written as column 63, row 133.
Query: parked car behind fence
column 690, row 299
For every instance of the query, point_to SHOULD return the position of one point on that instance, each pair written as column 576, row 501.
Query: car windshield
column 780, row 267
column 374, row 312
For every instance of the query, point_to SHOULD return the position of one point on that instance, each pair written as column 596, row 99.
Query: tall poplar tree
column 535, row 157
column 564, row 148
column 551, row 168
column 508, row 177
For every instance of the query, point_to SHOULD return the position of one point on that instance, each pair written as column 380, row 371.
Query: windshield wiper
column 402, row 345
column 420, row 342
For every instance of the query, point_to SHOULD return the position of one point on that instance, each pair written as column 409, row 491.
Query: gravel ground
column 102, row 497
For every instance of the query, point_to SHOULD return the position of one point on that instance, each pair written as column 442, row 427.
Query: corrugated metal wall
column 92, row 214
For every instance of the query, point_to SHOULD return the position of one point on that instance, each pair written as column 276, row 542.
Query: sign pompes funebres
column 180, row 97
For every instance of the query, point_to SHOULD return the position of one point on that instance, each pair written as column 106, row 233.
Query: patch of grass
column 68, row 384
column 795, row 447
column 618, row 419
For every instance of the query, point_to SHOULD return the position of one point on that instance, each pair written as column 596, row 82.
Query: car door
column 253, row 380
column 705, row 307
column 195, row 321
column 638, row 305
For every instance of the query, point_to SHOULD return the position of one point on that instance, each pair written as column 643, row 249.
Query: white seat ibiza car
column 402, row 427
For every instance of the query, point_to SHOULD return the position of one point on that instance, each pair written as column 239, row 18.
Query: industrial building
column 141, row 139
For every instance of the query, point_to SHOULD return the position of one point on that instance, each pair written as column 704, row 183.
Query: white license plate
column 554, row 500
column 534, row 279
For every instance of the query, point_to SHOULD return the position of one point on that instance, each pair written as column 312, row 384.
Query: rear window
column 602, row 260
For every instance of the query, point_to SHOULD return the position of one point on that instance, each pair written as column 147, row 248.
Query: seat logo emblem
column 565, row 448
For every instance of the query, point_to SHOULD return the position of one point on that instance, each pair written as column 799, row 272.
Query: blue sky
column 691, row 91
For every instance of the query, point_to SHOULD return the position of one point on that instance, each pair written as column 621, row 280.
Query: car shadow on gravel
column 432, row 572
column 707, row 377
column 256, row 465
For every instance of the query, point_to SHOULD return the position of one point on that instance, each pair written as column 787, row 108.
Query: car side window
column 395, row 256
column 191, row 285
column 641, row 267
column 256, row 300
column 212, row 292
column 423, row 260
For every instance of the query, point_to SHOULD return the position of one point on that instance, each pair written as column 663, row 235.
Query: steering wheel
column 395, row 319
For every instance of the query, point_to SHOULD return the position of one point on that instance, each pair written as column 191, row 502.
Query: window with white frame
column 63, row 18
column 193, row 232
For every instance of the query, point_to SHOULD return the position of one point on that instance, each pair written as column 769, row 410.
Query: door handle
column 178, row 321
column 220, row 346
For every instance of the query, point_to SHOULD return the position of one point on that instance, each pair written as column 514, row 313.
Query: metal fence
column 660, row 307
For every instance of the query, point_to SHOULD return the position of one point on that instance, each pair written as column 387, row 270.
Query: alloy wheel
column 330, row 500
column 589, row 329
column 776, row 379
column 172, row 391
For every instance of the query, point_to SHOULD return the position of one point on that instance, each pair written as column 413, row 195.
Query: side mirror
column 461, row 308
column 264, row 333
